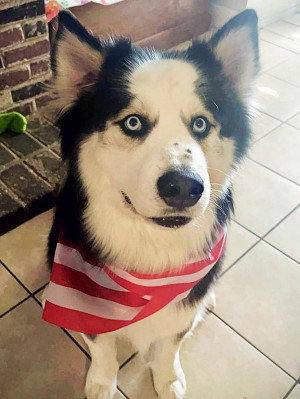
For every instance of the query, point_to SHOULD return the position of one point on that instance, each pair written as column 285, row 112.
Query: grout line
column 291, row 389
column 278, row 223
column 274, row 76
column 8, row 150
column 272, row 170
column 292, row 115
column 268, row 70
column 278, row 34
column 128, row 360
column 76, row 343
column 246, row 228
column 282, row 80
column 122, row 392
column 271, row 116
column 279, row 250
column 16, row 278
column 40, row 289
column 21, row 158
column 14, row 196
column 15, row 306
column 255, row 347
column 295, row 127
column 266, row 134
column 66, row 332
column 274, row 44
column 288, row 22
column 240, row 257
column 261, row 239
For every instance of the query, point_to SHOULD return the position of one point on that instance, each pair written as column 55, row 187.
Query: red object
column 52, row 9
column 93, row 299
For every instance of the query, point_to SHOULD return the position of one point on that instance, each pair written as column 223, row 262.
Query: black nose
column 180, row 189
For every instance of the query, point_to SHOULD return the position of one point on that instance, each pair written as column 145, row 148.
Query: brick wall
column 24, row 55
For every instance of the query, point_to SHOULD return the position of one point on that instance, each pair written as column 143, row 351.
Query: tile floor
column 249, row 347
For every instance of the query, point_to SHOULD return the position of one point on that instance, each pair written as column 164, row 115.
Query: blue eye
column 200, row 126
column 135, row 126
column 133, row 123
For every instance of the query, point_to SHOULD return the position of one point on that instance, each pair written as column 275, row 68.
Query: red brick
column 32, row 29
column 42, row 101
column 19, row 12
column 10, row 36
column 39, row 67
column 27, row 92
column 13, row 78
column 26, row 52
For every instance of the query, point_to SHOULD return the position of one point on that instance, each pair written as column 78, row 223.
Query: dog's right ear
column 77, row 62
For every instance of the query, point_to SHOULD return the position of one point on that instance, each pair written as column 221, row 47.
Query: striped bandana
column 90, row 298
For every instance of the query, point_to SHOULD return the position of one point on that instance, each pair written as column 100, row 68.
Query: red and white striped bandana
column 90, row 298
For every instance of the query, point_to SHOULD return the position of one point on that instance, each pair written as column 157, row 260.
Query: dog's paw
column 174, row 390
column 94, row 390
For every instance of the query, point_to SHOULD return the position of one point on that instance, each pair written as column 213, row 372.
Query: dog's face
column 155, row 136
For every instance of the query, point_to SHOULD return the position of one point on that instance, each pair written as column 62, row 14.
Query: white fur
column 110, row 163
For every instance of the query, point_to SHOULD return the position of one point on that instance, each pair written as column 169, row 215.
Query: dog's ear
column 77, row 61
column 236, row 46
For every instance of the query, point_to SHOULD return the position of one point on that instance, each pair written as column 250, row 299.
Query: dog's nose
column 180, row 189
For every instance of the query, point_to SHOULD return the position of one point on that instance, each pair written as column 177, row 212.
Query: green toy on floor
column 13, row 121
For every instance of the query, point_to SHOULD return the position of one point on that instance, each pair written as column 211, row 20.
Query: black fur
column 202, row 287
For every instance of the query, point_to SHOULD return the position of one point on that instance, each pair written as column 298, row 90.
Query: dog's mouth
column 172, row 221
column 166, row 221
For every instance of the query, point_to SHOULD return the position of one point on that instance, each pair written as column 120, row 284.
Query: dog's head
column 155, row 136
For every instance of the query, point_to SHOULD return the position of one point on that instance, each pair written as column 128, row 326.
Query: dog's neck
column 139, row 246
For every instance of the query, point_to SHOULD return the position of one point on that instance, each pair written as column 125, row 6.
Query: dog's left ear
column 236, row 46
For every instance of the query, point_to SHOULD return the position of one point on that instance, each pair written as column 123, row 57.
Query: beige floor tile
column 238, row 242
column 280, row 151
column 285, row 29
column 286, row 236
column 118, row 395
column 23, row 250
column 259, row 297
column 280, row 41
column 11, row 292
column 295, row 121
column 262, row 198
column 295, row 394
column 39, row 360
column 278, row 98
column 262, row 125
column 218, row 364
column 288, row 70
column 272, row 55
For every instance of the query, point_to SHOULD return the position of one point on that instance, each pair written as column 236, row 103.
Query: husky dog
column 152, row 140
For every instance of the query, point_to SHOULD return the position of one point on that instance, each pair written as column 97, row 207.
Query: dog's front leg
column 101, row 381
column 168, row 377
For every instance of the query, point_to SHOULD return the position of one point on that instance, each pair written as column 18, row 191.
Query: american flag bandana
column 94, row 298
